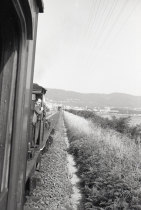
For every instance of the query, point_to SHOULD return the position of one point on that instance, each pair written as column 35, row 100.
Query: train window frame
column 8, row 77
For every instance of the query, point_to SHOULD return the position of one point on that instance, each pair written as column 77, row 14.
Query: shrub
column 109, row 165
column 120, row 125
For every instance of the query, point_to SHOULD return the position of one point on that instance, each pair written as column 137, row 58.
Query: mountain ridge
column 72, row 98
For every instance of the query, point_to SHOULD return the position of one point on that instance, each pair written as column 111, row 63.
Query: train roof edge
column 37, row 89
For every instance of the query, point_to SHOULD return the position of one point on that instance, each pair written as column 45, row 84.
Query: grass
column 109, row 165
column 122, row 124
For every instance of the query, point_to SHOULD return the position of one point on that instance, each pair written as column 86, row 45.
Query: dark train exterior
column 18, row 29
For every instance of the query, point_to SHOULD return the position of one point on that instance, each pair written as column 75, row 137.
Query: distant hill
column 92, row 100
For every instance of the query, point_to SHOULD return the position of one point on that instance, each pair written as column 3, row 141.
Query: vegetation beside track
column 121, row 125
column 109, row 165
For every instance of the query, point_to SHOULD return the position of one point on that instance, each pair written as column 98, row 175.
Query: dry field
column 134, row 119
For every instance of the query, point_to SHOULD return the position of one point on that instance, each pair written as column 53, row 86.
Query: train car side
column 18, row 28
column 39, row 132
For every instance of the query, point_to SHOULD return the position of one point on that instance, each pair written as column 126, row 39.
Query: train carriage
column 40, row 132
column 37, row 119
column 18, row 29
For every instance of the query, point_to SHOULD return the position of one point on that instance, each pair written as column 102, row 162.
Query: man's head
column 39, row 101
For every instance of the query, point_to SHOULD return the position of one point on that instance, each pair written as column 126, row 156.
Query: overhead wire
column 93, row 16
column 100, row 25
column 112, row 23
column 97, row 16
column 106, row 21
column 85, row 25
column 125, row 21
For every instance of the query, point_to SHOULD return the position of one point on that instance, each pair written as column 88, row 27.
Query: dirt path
column 55, row 191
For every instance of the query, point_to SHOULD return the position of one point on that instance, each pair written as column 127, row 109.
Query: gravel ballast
column 54, row 189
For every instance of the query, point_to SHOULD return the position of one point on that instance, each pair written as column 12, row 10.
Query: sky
column 90, row 46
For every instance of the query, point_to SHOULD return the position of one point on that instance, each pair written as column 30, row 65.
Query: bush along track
column 121, row 125
column 109, row 165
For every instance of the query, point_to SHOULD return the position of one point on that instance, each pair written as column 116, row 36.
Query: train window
column 33, row 97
